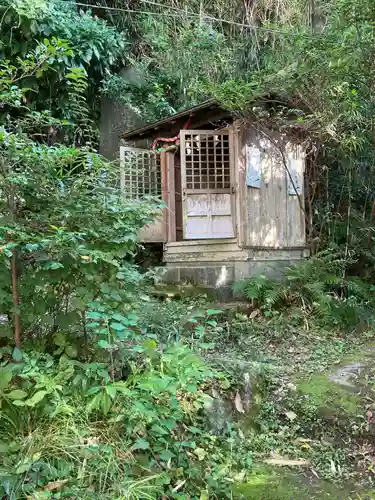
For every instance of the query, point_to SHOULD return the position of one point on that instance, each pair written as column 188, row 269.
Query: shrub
column 317, row 288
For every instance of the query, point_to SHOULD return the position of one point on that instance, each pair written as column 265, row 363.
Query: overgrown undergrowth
column 71, row 427
column 63, row 428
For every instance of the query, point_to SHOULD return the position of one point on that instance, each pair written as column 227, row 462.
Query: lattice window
column 207, row 160
column 141, row 173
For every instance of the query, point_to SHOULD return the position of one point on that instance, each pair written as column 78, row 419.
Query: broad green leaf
column 105, row 403
column 94, row 403
column 188, row 444
column 123, row 334
column 93, row 390
column 157, row 429
column 166, row 455
column 111, row 391
column 104, row 344
column 18, row 402
column 150, row 344
column 214, row 312
column 17, row 354
column 195, row 430
column 121, row 387
column 31, row 247
column 59, row 339
column 78, row 303
column 192, row 320
column 21, row 469
column 94, row 315
column 38, row 396
column 3, row 447
column 141, row 444
column 118, row 327
column 53, row 265
column 5, row 378
column 120, row 318
column 17, row 394
column 211, row 322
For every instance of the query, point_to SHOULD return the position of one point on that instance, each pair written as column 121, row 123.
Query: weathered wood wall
column 268, row 202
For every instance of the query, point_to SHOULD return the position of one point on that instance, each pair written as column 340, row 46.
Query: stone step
column 202, row 247
column 213, row 241
column 204, row 251
column 202, row 256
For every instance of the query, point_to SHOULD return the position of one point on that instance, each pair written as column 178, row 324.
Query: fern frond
column 315, row 286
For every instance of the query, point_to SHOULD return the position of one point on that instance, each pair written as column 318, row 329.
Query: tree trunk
column 16, row 301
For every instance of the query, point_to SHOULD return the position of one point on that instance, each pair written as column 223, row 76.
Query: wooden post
column 171, row 201
column 164, row 191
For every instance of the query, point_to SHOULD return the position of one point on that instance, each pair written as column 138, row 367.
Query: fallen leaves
column 55, row 485
column 291, row 415
column 238, row 403
column 286, row 462
column 179, row 486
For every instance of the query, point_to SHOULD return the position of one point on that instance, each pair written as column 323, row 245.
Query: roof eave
column 170, row 119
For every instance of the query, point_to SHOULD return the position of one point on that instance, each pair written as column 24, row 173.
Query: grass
column 89, row 459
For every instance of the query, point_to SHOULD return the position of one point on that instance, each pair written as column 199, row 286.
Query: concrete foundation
column 217, row 264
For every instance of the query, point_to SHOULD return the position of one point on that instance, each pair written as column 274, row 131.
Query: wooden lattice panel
column 207, row 160
column 141, row 173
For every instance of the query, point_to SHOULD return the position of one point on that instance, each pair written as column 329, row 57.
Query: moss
column 247, row 421
column 329, row 396
column 268, row 484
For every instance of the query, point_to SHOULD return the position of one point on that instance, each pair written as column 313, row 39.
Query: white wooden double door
column 207, row 184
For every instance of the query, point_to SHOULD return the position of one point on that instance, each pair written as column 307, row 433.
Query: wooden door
column 207, row 185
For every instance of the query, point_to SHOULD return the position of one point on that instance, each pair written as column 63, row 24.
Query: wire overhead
column 177, row 12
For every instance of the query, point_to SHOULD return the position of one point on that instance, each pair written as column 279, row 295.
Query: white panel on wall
column 253, row 166
column 295, row 167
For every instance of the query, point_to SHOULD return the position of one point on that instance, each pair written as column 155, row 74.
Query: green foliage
column 65, row 223
column 80, row 41
column 174, row 68
column 68, row 422
column 317, row 290
column 71, row 232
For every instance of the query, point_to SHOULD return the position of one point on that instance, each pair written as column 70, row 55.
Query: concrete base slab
column 218, row 276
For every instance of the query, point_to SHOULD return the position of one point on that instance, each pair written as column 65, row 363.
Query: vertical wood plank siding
column 273, row 217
